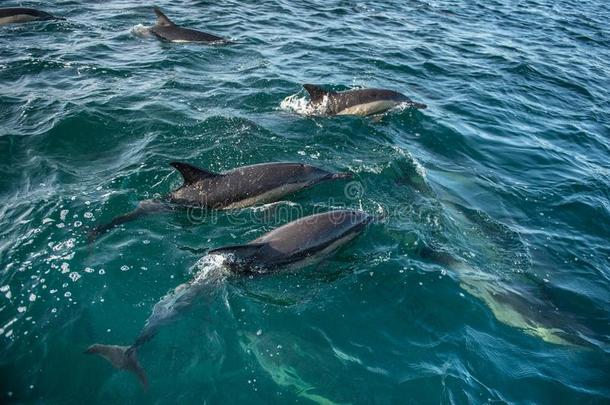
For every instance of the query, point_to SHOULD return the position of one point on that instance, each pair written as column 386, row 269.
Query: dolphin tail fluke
column 144, row 208
column 121, row 219
column 121, row 358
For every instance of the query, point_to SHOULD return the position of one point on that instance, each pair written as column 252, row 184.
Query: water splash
column 141, row 31
column 302, row 105
column 210, row 269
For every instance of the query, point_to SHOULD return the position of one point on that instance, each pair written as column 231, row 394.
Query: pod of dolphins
column 296, row 244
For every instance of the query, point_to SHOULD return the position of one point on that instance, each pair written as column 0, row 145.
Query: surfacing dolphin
column 295, row 244
column 21, row 15
column 166, row 30
column 357, row 102
column 298, row 243
column 238, row 188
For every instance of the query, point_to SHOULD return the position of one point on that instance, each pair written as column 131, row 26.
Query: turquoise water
column 505, row 172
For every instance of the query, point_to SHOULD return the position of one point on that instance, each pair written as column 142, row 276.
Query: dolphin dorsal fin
column 162, row 18
column 192, row 174
column 315, row 92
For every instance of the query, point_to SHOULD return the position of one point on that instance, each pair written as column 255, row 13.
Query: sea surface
column 507, row 172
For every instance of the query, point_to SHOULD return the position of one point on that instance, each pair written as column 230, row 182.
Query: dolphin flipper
column 121, row 358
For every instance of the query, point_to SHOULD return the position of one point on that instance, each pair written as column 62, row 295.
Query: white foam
column 210, row 268
column 141, row 31
column 301, row 105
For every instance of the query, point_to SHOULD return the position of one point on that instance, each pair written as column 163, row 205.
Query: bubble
column 65, row 268
column 102, row 272
column 32, row 297
column 124, row 267
column 89, row 270
column 74, row 276
column 21, row 309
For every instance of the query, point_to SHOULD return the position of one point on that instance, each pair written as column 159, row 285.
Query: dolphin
column 357, row 102
column 525, row 304
column 297, row 364
column 166, row 30
column 237, row 188
column 296, row 242
column 21, row 15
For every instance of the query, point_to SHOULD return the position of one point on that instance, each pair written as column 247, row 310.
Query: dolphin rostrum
column 357, row 102
column 166, row 30
column 296, row 243
column 20, row 15
column 238, row 188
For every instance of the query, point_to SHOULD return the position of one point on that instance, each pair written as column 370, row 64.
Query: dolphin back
column 167, row 30
column 7, row 13
column 243, row 255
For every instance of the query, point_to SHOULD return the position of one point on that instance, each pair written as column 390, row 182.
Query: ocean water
column 506, row 173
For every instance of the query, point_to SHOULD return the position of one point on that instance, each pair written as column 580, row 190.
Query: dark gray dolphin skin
column 237, row 188
column 166, row 30
column 296, row 243
column 21, row 15
column 357, row 102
